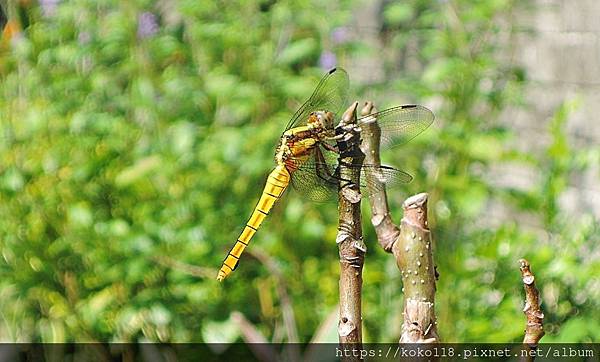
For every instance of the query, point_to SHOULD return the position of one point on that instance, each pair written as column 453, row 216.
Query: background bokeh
column 136, row 137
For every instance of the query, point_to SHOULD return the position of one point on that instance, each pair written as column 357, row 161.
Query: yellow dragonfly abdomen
column 277, row 182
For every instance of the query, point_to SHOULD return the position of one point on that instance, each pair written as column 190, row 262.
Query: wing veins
column 324, row 98
column 400, row 124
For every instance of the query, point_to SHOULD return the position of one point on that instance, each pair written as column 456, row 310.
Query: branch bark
column 387, row 232
column 349, row 238
column 413, row 252
column 534, row 330
column 410, row 244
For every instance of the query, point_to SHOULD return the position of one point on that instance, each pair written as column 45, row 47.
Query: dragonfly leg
column 346, row 181
column 325, row 174
column 329, row 147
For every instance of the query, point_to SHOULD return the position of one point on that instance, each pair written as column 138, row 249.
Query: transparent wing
column 400, row 124
column 318, row 179
column 373, row 178
column 330, row 95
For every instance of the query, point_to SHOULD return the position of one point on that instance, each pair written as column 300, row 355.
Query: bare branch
column 349, row 238
column 255, row 340
column 410, row 244
column 321, row 335
column 387, row 232
column 289, row 320
column 534, row 330
column 287, row 308
column 413, row 252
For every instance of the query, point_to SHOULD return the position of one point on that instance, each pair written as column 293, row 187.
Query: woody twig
column 411, row 244
column 534, row 329
column 349, row 237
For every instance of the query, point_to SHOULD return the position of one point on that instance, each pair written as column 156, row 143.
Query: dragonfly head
column 321, row 120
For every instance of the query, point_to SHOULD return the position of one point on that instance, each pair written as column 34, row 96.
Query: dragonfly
column 307, row 157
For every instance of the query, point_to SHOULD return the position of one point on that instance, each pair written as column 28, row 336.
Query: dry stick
column 256, row 342
column 349, row 238
column 292, row 351
column 534, row 330
column 287, row 310
column 194, row 270
column 410, row 244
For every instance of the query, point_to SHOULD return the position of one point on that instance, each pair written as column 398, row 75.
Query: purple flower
column 340, row 35
column 48, row 7
column 327, row 60
column 147, row 25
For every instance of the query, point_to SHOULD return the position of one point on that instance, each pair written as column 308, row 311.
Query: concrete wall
column 559, row 46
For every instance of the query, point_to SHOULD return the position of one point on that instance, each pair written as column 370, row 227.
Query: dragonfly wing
column 330, row 95
column 374, row 178
column 400, row 124
column 313, row 183
column 316, row 179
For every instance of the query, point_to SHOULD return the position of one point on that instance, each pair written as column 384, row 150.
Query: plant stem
column 387, row 232
column 410, row 244
column 413, row 252
column 287, row 309
column 534, row 330
column 349, row 239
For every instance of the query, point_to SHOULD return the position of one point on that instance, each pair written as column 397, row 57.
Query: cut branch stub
column 534, row 330
column 349, row 238
column 413, row 252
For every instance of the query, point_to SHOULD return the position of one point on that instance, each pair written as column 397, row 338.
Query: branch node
column 345, row 327
column 360, row 245
column 376, row 220
column 341, row 237
column 351, row 195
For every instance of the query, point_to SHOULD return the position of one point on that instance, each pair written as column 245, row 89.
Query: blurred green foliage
column 136, row 137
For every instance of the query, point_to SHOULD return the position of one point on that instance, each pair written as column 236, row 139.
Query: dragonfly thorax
column 299, row 141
